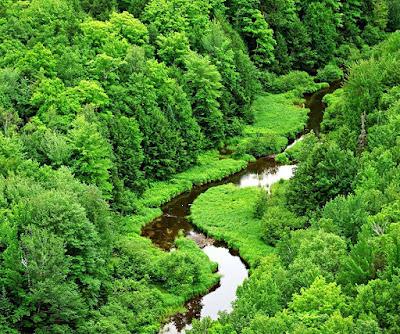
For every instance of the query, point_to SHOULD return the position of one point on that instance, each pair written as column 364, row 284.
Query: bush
column 297, row 81
column 278, row 222
column 263, row 145
column 330, row 73
column 282, row 158
column 300, row 150
column 261, row 205
column 327, row 171
column 268, row 80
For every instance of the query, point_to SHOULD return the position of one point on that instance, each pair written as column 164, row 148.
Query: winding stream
column 264, row 172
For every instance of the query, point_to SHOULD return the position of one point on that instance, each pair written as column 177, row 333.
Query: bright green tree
column 91, row 154
column 203, row 85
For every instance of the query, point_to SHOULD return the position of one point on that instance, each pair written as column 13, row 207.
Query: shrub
column 297, row 81
column 329, row 73
column 282, row 158
column 261, row 205
column 300, row 150
column 263, row 145
column 278, row 222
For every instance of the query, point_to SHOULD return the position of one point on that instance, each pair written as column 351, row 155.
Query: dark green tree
column 327, row 172
column 126, row 141
column 100, row 9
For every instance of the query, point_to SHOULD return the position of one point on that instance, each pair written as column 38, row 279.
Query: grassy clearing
column 278, row 114
column 277, row 118
column 227, row 213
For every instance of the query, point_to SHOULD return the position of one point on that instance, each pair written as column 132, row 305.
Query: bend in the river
column 163, row 231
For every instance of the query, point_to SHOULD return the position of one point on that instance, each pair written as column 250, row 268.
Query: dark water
column 163, row 231
column 316, row 105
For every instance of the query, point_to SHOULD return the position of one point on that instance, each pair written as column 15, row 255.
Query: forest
column 109, row 109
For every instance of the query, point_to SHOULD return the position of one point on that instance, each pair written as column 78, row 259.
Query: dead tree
column 362, row 138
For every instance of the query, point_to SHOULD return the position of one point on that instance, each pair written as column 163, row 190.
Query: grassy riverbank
column 211, row 167
column 277, row 119
column 227, row 213
column 280, row 114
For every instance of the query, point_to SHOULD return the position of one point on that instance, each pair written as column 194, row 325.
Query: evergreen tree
column 126, row 141
column 249, row 20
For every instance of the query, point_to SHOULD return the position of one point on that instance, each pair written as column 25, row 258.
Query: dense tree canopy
column 102, row 100
column 335, row 224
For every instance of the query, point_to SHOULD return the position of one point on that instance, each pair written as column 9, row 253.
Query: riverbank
column 227, row 213
column 211, row 167
column 278, row 119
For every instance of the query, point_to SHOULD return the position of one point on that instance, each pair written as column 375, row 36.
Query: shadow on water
column 316, row 105
column 163, row 231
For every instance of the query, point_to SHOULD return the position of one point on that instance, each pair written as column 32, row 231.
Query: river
column 264, row 172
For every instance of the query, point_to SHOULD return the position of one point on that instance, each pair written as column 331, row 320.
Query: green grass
column 160, row 193
column 277, row 114
column 146, row 215
column 211, row 167
column 227, row 213
column 277, row 118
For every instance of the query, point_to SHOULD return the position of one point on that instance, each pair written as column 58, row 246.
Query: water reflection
column 233, row 272
column 267, row 178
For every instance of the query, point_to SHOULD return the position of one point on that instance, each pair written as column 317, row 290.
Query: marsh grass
column 211, row 167
column 227, row 213
column 277, row 119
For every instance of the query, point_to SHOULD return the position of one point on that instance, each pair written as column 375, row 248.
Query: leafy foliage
column 335, row 224
column 108, row 109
